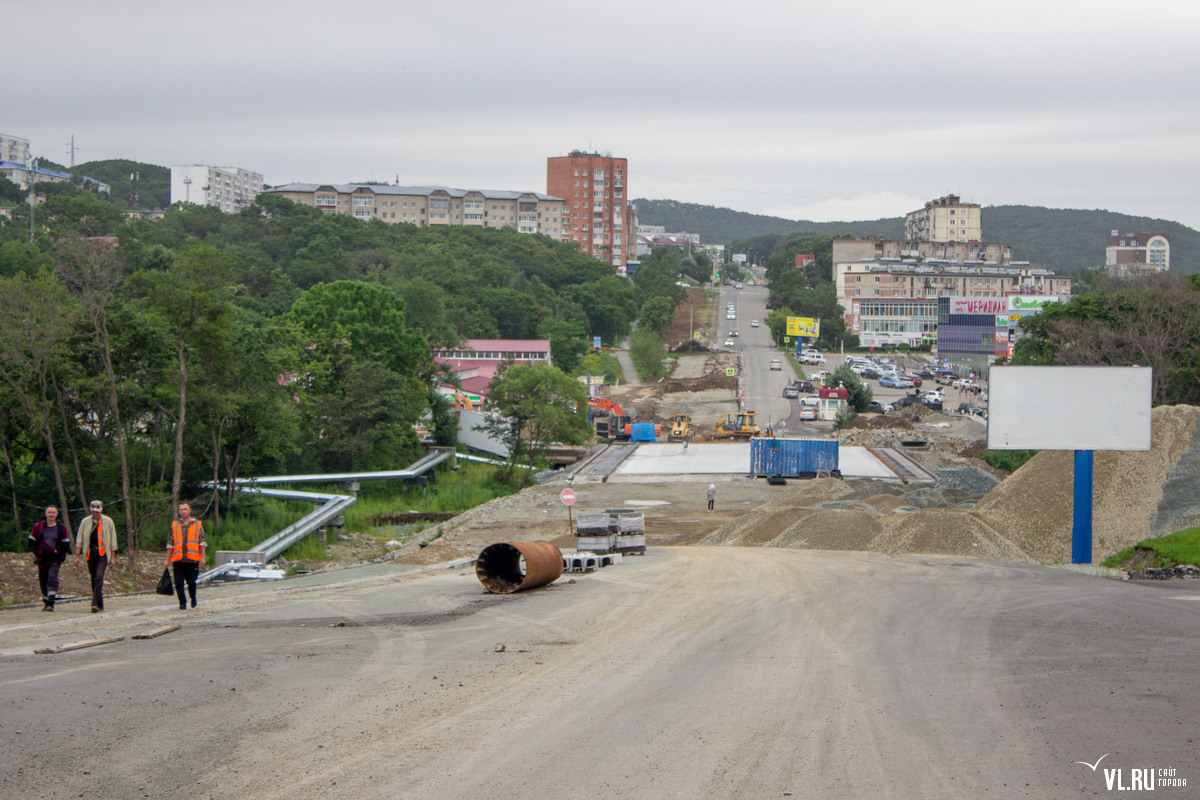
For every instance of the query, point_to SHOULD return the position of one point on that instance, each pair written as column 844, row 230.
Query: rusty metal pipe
column 507, row 567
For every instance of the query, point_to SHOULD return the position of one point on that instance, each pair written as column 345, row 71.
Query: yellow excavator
column 736, row 425
column 681, row 428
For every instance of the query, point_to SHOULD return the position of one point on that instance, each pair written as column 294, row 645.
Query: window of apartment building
column 473, row 205
column 599, row 173
column 576, row 183
column 439, row 203
column 362, row 213
column 585, row 184
column 363, row 201
column 618, row 173
column 618, row 194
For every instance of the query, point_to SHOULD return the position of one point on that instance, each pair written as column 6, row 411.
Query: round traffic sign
column 568, row 497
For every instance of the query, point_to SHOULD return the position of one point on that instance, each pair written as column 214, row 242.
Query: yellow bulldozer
column 736, row 425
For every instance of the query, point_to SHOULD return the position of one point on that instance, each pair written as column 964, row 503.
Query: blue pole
column 1081, row 529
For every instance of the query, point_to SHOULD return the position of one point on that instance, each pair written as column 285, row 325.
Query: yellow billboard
column 803, row 326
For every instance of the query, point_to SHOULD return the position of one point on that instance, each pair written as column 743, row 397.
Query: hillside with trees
column 1064, row 240
column 153, row 181
column 203, row 347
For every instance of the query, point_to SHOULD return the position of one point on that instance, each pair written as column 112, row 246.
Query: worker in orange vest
column 185, row 550
column 97, row 539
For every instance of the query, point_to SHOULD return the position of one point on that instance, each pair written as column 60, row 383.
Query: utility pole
column 71, row 150
column 133, row 195
column 32, row 194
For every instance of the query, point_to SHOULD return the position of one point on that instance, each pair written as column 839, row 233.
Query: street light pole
column 32, row 196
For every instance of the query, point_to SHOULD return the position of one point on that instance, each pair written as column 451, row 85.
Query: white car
column 753, row 323
column 808, row 412
column 776, row 365
column 729, row 343
column 810, row 358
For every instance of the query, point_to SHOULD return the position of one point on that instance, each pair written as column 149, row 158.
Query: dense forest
column 1063, row 240
column 144, row 359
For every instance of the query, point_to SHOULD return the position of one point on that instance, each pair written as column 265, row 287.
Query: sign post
column 568, row 499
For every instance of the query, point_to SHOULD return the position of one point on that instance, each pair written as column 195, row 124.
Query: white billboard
column 1069, row 408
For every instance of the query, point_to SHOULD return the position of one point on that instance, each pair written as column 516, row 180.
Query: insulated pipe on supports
column 507, row 567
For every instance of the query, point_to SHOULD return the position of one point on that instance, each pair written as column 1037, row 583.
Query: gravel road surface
column 691, row 672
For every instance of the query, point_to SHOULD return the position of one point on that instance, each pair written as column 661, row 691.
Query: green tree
column 534, row 405
column 859, row 395
column 657, row 314
column 191, row 302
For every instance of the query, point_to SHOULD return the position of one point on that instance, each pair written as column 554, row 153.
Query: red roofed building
column 476, row 360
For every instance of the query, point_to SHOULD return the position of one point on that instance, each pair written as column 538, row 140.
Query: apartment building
column 1137, row 253
column 894, row 301
column 524, row 212
column 14, row 149
column 945, row 219
column 595, row 188
column 228, row 188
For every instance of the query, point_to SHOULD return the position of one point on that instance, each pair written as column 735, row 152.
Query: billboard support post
column 1081, row 518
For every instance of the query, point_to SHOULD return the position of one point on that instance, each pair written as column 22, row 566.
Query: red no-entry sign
column 568, row 497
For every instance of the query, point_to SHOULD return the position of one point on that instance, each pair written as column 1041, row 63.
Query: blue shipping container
column 793, row 457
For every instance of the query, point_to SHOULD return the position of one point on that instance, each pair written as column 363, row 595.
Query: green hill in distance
column 1060, row 239
column 154, row 182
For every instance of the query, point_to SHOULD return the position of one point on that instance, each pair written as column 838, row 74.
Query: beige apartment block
column 945, row 219
column 524, row 212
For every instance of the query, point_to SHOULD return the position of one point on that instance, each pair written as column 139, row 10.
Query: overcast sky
column 840, row 110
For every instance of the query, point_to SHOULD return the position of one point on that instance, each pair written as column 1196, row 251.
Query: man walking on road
column 97, row 537
column 186, row 549
column 712, row 496
column 50, row 542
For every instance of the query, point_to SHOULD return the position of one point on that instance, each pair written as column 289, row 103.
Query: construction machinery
column 611, row 421
column 681, row 428
column 736, row 425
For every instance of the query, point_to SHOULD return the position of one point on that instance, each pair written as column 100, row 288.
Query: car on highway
column 776, row 365
column 791, row 392
column 753, row 323
column 732, row 334
column 808, row 412
column 810, row 400
column 729, row 343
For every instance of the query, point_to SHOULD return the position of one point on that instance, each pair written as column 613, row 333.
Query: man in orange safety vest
column 185, row 551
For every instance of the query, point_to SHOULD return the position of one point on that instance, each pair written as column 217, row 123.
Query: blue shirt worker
column 185, row 551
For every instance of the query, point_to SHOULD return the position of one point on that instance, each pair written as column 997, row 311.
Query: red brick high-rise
column 595, row 188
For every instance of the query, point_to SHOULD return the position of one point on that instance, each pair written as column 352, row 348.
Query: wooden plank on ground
column 63, row 648
column 156, row 632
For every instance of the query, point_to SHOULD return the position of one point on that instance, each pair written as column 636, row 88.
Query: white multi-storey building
column 14, row 149
column 228, row 188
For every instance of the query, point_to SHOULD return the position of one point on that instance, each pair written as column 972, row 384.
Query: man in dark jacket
column 50, row 542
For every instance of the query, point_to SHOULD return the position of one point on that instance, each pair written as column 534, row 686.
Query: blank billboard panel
column 1069, row 408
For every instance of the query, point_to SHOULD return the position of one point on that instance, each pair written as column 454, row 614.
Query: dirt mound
column 756, row 528
column 885, row 503
column 942, row 531
column 807, row 494
column 690, row 346
column 850, row 529
column 712, row 380
column 876, row 422
column 1033, row 506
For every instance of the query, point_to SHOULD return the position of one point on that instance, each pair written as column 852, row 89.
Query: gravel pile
column 969, row 480
column 943, row 532
column 851, row 529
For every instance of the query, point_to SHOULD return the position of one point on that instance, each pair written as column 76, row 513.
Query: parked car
column 880, row 407
column 810, row 400
column 936, row 395
column 927, row 373
column 776, row 365
column 971, row 408
column 808, row 412
column 890, row 381
column 916, row 379
column 870, row 373
column 811, row 358
column 963, row 383
column 791, row 391
column 946, row 378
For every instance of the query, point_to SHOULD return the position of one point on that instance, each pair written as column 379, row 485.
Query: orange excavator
column 611, row 421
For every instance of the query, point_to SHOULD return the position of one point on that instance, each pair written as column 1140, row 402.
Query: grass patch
column 1181, row 547
column 1010, row 460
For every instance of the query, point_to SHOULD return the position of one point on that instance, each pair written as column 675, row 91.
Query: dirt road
column 692, row 672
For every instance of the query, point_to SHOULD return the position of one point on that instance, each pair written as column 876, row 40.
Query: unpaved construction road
column 691, row 672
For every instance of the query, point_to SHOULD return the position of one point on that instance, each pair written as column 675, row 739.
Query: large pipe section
column 507, row 567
